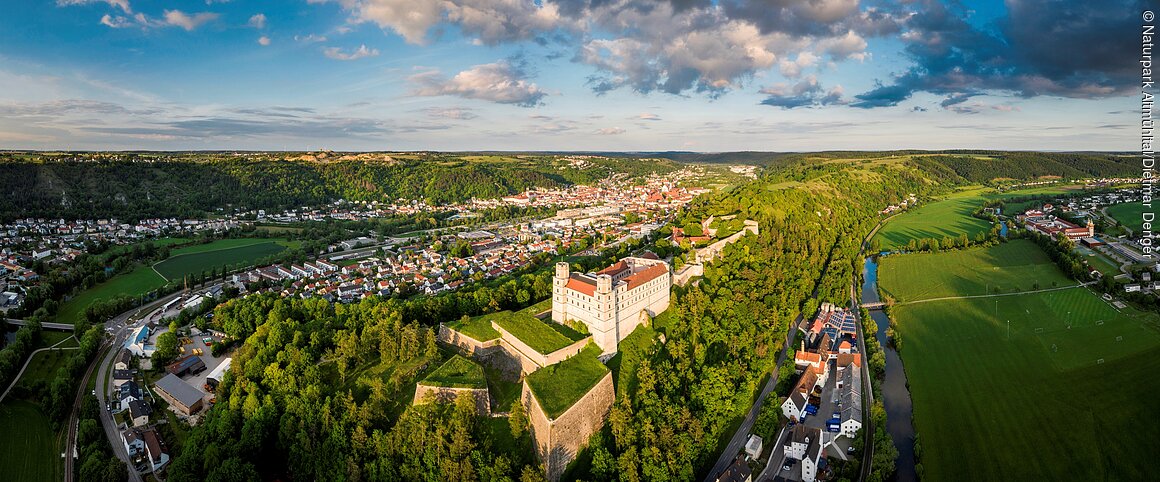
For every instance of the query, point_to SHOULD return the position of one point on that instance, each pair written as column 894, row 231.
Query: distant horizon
column 557, row 151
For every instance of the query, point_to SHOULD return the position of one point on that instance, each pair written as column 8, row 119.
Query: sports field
column 1017, row 265
column 227, row 252
column 950, row 217
column 1128, row 214
column 1066, row 395
column 28, row 445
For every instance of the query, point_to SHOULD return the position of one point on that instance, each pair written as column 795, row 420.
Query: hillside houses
column 826, row 401
column 417, row 268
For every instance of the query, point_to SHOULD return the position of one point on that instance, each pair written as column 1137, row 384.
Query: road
column 738, row 441
column 120, row 332
column 29, row 360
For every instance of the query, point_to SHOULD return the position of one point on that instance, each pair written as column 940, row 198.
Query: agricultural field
column 1040, row 386
column 134, row 283
column 228, row 252
column 1128, row 214
column 1017, row 265
column 28, row 444
column 950, row 217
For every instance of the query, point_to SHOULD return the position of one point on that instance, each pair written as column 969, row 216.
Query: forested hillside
column 296, row 409
column 135, row 185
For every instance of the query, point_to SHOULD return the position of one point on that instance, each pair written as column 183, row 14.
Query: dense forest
column 138, row 185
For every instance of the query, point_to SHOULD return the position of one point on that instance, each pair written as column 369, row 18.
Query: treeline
column 56, row 396
column 101, row 262
column 283, row 414
column 13, row 354
column 95, row 459
column 131, row 186
column 1024, row 165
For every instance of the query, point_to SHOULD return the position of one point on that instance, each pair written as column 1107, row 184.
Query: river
column 895, row 395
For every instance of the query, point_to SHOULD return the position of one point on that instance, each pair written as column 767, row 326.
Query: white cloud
column 849, row 46
column 793, row 68
column 189, row 22
column 610, row 131
column 115, row 22
column 457, row 113
column 263, row 40
column 309, row 39
column 121, row 4
column 496, row 82
column 492, row 21
column 258, row 21
column 649, row 116
column 361, row 52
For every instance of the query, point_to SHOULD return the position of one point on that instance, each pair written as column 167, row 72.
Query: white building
column 613, row 301
column 138, row 343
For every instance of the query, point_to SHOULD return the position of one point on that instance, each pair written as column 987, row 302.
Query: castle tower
column 1091, row 226
column 559, row 294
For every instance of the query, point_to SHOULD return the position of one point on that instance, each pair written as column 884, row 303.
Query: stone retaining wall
column 449, row 394
column 558, row 440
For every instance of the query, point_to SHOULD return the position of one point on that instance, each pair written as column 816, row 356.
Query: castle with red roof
column 613, row 301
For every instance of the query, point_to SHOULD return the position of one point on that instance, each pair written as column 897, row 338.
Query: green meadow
column 950, row 217
column 1017, row 265
column 1042, row 386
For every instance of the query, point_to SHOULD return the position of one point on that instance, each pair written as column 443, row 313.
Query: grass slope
column 134, row 283
column 558, row 387
column 949, row 217
column 1038, row 405
column 1013, row 266
column 457, row 372
column 544, row 337
column 478, row 327
column 1128, row 214
column 29, row 449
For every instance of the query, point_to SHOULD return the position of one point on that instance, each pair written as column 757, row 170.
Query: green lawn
column 950, row 217
column 227, row 252
column 559, row 386
column 1013, row 266
column 457, row 372
column 44, row 366
column 1099, row 262
column 134, row 283
column 1066, row 397
column 478, row 327
column 542, row 336
column 29, row 448
column 52, row 337
column 538, row 308
column 1128, row 214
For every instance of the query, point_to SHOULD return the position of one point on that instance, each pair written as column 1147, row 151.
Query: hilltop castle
column 613, row 301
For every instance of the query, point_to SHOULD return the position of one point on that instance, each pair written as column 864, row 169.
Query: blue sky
column 702, row 75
